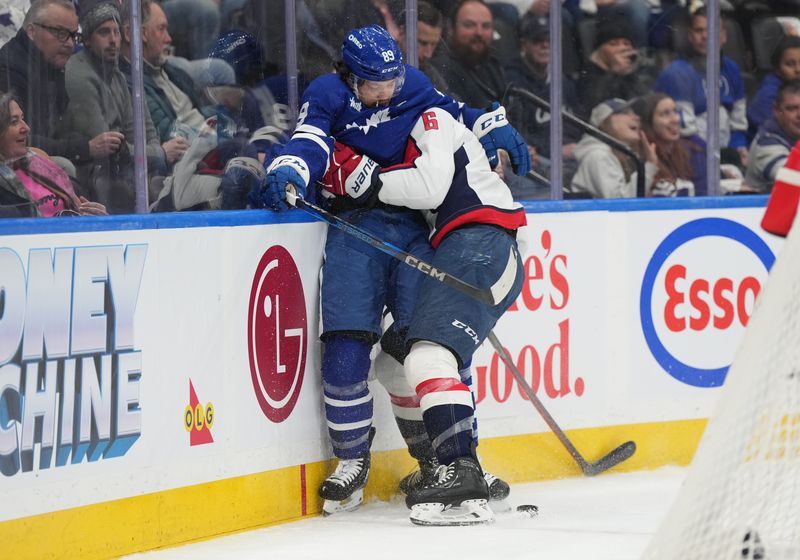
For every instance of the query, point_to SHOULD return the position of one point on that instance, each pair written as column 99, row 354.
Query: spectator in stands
column 429, row 35
column 786, row 67
column 775, row 139
column 31, row 184
column 615, row 68
column 605, row 172
column 179, row 111
column 683, row 81
column 531, row 121
column 173, row 100
column 472, row 73
column 100, row 101
column 32, row 67
column 636, row 12
column 681, row 161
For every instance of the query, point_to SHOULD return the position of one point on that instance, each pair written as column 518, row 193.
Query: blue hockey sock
column 348, row 402
column 450, row 428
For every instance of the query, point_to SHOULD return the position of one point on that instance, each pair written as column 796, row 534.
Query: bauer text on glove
column 352, row 175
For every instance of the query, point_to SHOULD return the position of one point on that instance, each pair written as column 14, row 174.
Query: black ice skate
column 343, row 490
column 498, row 488
column 459, row 496
column 426, row 474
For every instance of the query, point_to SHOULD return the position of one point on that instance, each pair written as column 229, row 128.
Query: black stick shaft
column 613, row 458
column 548, row 418
column 482, row 295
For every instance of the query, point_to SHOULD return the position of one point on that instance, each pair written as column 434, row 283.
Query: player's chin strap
column 490, row 296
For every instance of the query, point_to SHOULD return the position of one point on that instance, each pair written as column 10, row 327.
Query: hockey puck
column 527, row 510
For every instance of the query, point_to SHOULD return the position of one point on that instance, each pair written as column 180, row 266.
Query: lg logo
column 277, row 333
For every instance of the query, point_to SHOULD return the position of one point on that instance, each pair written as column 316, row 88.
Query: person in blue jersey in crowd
column 785, row 61
column 371, row 103
column 474, row 223
column 684, row 81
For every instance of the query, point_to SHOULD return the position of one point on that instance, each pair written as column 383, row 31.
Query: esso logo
column 698, row 293
column 277, row 333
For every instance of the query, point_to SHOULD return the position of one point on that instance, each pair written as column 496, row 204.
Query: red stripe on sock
column 405, row 402
column 440, row 384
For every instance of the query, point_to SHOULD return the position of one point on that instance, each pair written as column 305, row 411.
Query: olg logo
column 198, row 419
column 277, row 333
column 698, row 293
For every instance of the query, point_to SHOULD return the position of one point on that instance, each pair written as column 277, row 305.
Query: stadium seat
column 766, row 33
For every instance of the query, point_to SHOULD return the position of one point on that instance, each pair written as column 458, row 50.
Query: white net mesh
column 741, row 498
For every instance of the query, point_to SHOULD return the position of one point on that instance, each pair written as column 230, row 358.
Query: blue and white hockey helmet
column 244, row 53
column 372, row 55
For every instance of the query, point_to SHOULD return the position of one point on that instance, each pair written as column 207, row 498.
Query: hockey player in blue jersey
column 371, row 103
column 473, row 221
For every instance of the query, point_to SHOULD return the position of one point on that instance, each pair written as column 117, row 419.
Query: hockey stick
column 489, row 296
column 612, row 459
column 486, row 296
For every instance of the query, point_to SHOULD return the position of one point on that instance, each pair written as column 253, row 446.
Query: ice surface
column 611, row 517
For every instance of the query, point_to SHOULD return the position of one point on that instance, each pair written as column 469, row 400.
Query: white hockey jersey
column 445, row 172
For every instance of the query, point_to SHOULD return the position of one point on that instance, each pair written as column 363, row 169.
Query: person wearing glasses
column 32, row 67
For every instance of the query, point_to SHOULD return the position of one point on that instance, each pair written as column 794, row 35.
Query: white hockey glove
column 352, row 175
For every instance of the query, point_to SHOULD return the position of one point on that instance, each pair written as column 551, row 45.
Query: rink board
column 159, row 375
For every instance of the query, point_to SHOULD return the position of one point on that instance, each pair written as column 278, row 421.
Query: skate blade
column 500, row 506
column 332, row 507
column 471, row 512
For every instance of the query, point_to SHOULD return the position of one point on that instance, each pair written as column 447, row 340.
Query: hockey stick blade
column 486, row 296
column 612, row 459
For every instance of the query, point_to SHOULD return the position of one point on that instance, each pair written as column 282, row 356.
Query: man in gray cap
column 100, row 101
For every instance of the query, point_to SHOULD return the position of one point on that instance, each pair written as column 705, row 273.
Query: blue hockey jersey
column 686, row 84
column 330, row 109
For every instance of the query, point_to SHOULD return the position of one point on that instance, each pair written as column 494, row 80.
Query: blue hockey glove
column 494, row 132
column 283, row 171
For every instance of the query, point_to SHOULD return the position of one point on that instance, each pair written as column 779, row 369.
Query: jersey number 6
column 429, row 121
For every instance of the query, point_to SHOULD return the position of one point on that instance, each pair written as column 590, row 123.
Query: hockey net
column 741, row 497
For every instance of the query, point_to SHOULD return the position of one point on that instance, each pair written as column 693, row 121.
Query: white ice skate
column 470, row 512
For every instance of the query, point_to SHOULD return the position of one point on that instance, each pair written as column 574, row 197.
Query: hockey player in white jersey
column 473, row 221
